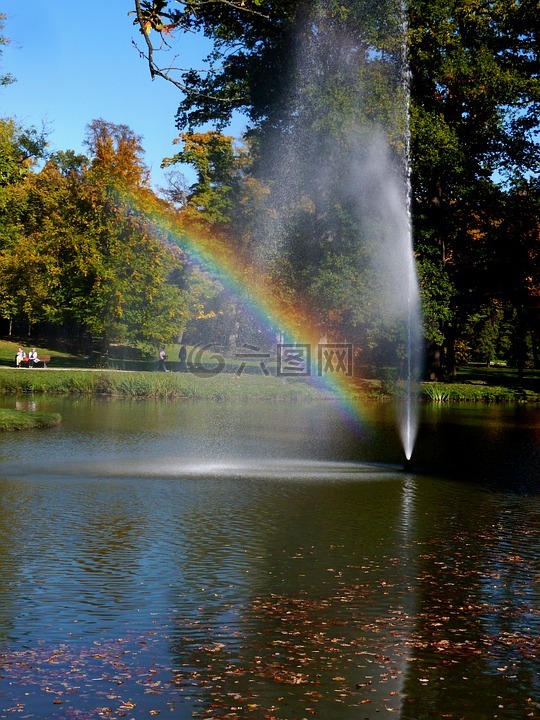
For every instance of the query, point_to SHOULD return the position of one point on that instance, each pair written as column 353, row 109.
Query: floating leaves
column 381, row 636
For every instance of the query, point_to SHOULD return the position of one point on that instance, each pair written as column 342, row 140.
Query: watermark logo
column 255, row 354
column 335, row 359
column 293, row 360
column 200, row 357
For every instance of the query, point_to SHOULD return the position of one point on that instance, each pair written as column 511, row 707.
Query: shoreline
column 225, row 386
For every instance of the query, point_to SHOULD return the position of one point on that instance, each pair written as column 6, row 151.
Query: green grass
column 8, row 350
column 27, row 419
column 153, row 385
column 129, row 376
column 461, row 392
column 486, row 384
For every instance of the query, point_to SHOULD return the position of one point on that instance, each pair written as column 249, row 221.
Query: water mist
column 339, row 172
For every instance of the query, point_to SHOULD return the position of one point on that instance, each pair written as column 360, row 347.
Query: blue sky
column 74, row 62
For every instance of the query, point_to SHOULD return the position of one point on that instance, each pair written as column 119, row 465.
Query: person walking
column 182, row 356
column 161, row 367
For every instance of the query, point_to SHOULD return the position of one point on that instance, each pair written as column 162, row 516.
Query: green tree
column 475, row 95
column 220, row 200
column 213, row 157
column 5, row 78
column 309, row 119
column 20, row 149
column 252, row 61
column 474, row 121
column 79, row 247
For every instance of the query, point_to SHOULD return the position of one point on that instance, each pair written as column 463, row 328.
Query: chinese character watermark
column 198, row 358
column 294, row 360
column 335, row 359
column 256, row 354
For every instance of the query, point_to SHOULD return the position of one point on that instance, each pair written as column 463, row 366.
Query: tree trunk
column 433, row 364
column 450, row 361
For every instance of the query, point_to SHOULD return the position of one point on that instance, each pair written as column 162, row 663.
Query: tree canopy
column 473, row 114
column 5, row 78
column 356, row 112
column 79, row 251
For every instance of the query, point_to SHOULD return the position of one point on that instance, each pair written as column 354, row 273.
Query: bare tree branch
column 148, row 21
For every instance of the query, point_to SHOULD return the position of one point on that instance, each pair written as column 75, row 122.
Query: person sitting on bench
column 32, row 358
column 19, row 357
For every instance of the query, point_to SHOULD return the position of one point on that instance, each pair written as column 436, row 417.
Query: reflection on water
column 236, row 561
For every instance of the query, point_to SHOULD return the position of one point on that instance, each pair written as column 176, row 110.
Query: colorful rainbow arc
column 214, row 255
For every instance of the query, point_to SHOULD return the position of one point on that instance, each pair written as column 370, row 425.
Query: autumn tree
column 474, row 92
column 81, row 251
column 20, row 149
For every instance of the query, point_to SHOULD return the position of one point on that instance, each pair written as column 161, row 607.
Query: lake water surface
column 269, row 561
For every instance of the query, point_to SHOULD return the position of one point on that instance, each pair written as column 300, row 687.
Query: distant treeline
column 81, row 258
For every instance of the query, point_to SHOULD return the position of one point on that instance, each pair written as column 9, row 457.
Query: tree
column 252, row 62
column 136, row 293
column 213, row 157
column 5, row 78
column 79, row 247
column 220, row 201
column 20, row 149
column 116, row 155
column 475, row 95
column 474, row 122
column 301, row 72
column 240, row 29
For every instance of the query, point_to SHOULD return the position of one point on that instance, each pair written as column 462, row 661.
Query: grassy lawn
column 27, row 419
column 154, row 385
column 132, row 377
column 8, row 350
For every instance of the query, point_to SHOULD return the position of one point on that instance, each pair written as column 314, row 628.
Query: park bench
column 42, row 361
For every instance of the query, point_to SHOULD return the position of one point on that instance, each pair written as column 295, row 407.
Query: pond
column 269, row 561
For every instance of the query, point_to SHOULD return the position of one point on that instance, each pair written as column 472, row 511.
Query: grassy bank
column 71, row 375
column 486, row 384
column 228, row 386
column 462, row 392
column 27, row 419
column 153, row 385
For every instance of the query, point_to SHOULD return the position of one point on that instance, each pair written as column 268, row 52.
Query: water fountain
column 352, row 160
column 246, row 559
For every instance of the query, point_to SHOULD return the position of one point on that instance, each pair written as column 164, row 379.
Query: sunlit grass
column 153, row 384
column 461, row 392
column 129, row 375
column 27, row 419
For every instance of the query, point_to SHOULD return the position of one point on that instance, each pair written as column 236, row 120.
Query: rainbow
column 214, row 255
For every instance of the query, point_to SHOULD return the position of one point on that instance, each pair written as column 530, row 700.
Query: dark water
column 242, row 561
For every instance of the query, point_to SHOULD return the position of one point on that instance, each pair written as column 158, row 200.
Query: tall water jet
column 339, row 211
column 409, row 415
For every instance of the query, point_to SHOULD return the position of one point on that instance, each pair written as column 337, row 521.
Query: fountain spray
column 409, row 419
